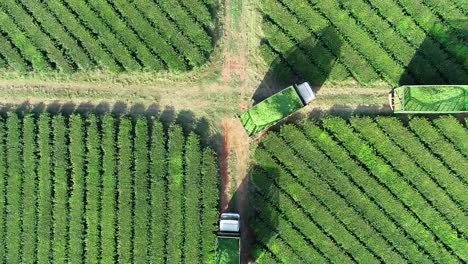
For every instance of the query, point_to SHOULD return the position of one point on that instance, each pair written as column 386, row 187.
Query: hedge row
column 430, row 164
column 60, row 161
column 124, row 191
column 441, row 56
column 365, row 242
column 3, row 173
column 11, row 57
column 81, row 33
column 171, row 33
column 439, row 198
column 20, row 42
column 51, row 26
column 102, row 189
column 323, row 242
column 158, row 169
column 109, row 185
column 328, row 46
column 368, row 40
column 454, row 131
column 93, row 183
column 77, row 197
column 359, row 201
column 291, row 245
column 192, row 199
column 126, row 35
column 422, row 16
column 404, row 220
column 193, row 30
column 29, row 189
column 441, row 147
column 149, row 36
column 347, row 192
column 34, row 33
column 141, row 185
column 209, row 209
column 404, row 189
column 44, row 175
column 68, row 36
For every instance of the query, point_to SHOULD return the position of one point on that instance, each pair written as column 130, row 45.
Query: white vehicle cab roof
column 229, row 222
column 305, row 92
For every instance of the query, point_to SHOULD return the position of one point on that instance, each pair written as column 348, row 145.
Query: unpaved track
column 235, row 156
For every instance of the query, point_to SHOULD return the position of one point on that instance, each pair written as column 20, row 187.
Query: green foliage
column 391, row 205
column 428, row 162
column 14, row 187
column 93, row 189
column 77, row 196
column 29, row 189
column 61, row 190
column 125, row 35
column 187, row 24
column 68, row 36
column 124, row 191
column 109, row 185
column 158, row 170
column 424, row 183
column 209, row 207
column 192, row 199
column 175, row 186
column 142, row 206
column 228, row 251
column 96, row 49
column 3, row 173
column 44, row 174
column 364, row 191
column 104, row 189
column 399, row 42
column 441, row 147
column 34, row 33
column 454, row 131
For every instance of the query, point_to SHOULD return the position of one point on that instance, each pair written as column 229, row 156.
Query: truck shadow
column 257, row 201
column 441, row 59
column 310, row 61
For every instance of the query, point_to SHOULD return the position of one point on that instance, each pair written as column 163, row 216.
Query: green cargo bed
column 270, row 111
column 430, row 99
column 227, row 250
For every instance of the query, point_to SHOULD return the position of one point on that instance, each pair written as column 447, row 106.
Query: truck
column 228, row 239
column 276, row 107
column 429, row 99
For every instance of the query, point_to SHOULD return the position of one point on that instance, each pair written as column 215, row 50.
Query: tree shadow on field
column 442, row 58
column 167, row 115
column 309, row 61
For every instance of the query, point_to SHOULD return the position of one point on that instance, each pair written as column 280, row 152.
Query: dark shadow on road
column 256, row 200
column 309, row 61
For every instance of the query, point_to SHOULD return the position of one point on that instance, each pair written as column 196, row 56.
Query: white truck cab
column 230, row 222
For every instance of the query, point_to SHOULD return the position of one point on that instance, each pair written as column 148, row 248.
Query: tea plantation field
column 363, row 191
column 399, row 41
column 69, row 35
column 104, row 189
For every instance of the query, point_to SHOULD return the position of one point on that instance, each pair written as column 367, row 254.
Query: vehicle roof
column 305, row 92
